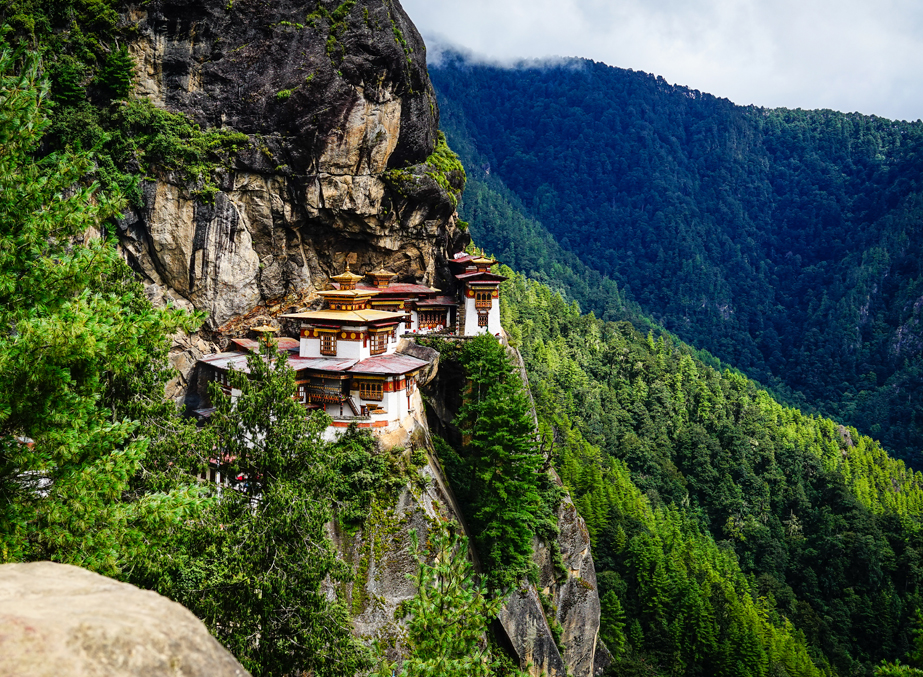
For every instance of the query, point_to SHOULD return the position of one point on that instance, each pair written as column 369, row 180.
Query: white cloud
column 843, row 54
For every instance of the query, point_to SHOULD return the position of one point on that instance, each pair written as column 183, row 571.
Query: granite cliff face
column 341, row 117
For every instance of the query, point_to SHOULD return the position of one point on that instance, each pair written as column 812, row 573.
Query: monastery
column 345, row 357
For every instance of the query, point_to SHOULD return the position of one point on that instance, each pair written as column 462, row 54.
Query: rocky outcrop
column 63, row 621
column 564, row 602
column 428, row 355
column 334, row 97
column 573, row 599
column 381, row 552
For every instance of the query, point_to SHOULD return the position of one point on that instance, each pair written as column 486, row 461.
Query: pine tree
column 68, row 332
column 501, row 449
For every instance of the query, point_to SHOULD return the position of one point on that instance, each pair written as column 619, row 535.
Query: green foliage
column 284, row 94
column 91, row 75
column 337, row 26
column 81, row 354
column 252, row 568
column 498, row 472
column 448, row 620
column 447, row 169
column 442, row 166
column 896, row 669
column 136, row 134
column 806, row 276
column 361, row 472
column 697, row 487
column 116, row 74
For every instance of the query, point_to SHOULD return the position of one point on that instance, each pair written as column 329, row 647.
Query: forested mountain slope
column 785, row 242
column 704, row 495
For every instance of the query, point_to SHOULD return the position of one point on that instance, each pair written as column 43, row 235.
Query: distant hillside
column 731, row 535
column 787, row 243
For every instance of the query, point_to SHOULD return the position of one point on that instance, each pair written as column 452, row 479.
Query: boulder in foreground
column 64, row 621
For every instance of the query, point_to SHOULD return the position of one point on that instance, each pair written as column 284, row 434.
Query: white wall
column 493, row 318
column 350, row 350
column 309, row 347
column 471, row 319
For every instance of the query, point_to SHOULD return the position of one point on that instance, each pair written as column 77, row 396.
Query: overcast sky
column 849, row 55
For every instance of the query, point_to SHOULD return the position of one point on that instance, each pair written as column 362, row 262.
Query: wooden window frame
column 483, row 319
column 432, row 318
column 371, row 391
column 330, row 339
column 379, row 343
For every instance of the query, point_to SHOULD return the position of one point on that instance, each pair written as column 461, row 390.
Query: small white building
column 480, row 291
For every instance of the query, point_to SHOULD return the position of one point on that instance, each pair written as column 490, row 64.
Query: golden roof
column 348, row 315
column 351, row 293
column 482, row 260
column 381, row 272
column 264, row 328
column 347, row 276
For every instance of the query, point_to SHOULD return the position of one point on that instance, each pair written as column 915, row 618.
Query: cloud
column 849, row 55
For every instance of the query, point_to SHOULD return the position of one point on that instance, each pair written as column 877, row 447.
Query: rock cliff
column 341, row 117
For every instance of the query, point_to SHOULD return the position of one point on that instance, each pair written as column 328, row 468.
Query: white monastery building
column 345, row 356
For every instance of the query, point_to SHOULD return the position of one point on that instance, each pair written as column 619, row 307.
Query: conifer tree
column 68, row 331
column 501, row 449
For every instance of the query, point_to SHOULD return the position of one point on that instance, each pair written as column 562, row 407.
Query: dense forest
column 784, row 242
column 791, row 544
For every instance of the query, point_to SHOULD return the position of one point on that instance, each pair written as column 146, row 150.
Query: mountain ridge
column 781, row 241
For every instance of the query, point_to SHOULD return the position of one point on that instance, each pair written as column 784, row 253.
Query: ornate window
column 370, row 390
column 483, row 299
column 379, row 343
column 432, row 318
column 328, row 344
column 482, row 319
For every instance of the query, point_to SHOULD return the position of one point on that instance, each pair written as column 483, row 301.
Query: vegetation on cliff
column 448, row 621
column 82, row 357
column 784, row 242
column 771, row 529
column 496, row 468
column 91, row 75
